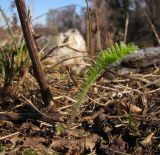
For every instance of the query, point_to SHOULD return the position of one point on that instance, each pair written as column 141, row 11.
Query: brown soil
column 120, row 116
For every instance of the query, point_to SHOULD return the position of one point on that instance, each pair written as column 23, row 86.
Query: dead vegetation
column 119, row 115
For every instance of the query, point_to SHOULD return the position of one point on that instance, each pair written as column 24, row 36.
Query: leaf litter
column 119, row 115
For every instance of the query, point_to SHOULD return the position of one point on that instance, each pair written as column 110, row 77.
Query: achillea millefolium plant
column 106, row 58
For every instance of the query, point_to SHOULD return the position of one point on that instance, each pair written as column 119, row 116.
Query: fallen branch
column 23, row 117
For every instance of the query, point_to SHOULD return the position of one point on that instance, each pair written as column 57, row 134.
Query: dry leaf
column 144, row 102
column 147, row 140
column 133, row 108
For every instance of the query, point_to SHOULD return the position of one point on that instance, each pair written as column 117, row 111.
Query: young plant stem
column 106, row 58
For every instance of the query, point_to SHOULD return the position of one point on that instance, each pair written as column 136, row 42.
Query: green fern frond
column 106, row 58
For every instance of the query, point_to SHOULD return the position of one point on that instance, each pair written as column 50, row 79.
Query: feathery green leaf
column 106, row 58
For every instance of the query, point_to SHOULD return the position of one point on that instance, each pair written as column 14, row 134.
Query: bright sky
column 42, row 6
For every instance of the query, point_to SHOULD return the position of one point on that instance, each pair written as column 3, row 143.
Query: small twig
column 135, row 90
column 33, row 106
column 129, row 77
column 104, row 87
column 58, row 97
column 152, row 26
column 52, row 49
column 42, row 114
column 103, row 105
column 42, row 123
column 150, row 22
column 64, row 107
column 66, row 60
column 10, row 135
column 70, row 99
column 126, row 28
column 71, row 76
column 152, row 91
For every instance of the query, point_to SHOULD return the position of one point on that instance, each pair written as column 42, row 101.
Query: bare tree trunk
column 30, row 42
